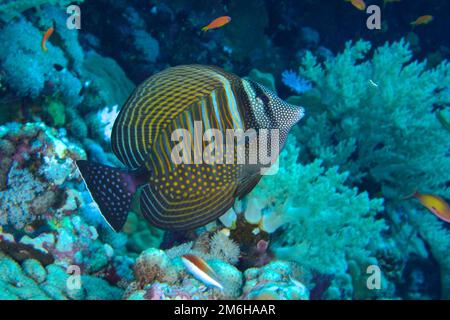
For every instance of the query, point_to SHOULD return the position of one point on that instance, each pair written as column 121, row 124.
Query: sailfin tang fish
column 190, row 194
column 201, row 270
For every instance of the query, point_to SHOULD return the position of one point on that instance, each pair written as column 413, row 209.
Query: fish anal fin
column 189, row 200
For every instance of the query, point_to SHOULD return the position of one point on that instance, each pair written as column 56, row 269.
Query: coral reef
column 29, row 70
column 369, row 114
column 274, row 281
column 321, row 224
column 376, row 129
column 35, row 165
column 161, row 277
column 10, row 9
column 31, row 281
column 40, row 200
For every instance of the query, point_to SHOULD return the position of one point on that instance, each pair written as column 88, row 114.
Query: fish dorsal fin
column 155, row 103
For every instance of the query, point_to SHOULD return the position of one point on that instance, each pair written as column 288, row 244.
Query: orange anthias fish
column 422, row 20
column 47, row 35
column 358, row 4
column 217, row 23
column 435, row 204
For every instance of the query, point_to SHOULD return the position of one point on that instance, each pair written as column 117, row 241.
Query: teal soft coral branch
column 323, row 221
column 12, row 9
column 386, row 134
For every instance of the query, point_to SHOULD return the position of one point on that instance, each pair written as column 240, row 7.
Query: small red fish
column 422, row 20
column 217, row 23
column 358, row 4
column 47, row 35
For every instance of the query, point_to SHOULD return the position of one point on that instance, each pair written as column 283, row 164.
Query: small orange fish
column 47, row 35
column 422, row 20
column 217, row 23
column 358, row 4
column 435, row 204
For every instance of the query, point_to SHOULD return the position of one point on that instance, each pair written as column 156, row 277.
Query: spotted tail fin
column 111, row 188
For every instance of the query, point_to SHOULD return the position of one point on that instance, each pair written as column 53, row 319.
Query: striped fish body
column 173, row 111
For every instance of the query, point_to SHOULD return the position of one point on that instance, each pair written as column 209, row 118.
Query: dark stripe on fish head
column 268, row 111
column 280, row 114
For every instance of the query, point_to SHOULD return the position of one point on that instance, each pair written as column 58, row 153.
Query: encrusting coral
column 161, row 275
column 275, row 281
column 42, row 218
column 31, row 184
column 32, row 281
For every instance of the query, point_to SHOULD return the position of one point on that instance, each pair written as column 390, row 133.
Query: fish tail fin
column 411, row 195
column 111, row 188
column 205, row 28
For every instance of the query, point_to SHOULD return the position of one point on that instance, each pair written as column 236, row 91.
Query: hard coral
column 38, row 165
column 162, row 276
column 275, row 281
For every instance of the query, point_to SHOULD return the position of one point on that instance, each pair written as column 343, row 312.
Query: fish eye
column 259, row 100
column 262, row 98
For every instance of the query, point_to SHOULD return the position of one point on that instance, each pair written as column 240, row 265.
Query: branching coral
column 10, row 9
column 438, row 238
column 376, row 114
column 323, row 222
column 295, row 82
column 29, row 70
column 375, row 119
